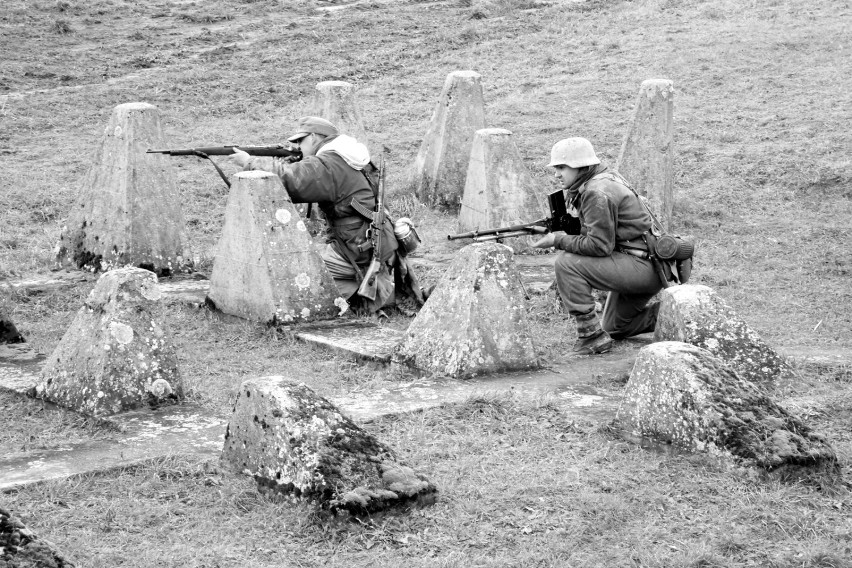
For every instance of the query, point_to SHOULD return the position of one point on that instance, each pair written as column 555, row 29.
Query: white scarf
column 356, row 154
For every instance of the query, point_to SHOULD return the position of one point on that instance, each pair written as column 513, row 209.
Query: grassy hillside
column 763, row 108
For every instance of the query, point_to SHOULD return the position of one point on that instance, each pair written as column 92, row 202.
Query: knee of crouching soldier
column 566, row 262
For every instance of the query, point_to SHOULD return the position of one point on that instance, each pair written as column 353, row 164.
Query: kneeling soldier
column 610, row 253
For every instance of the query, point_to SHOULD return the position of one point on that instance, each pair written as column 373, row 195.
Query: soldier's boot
column 591, row 338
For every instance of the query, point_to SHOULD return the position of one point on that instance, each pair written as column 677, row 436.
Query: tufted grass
column 763, row 182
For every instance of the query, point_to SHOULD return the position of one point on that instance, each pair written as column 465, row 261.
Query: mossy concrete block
column 695, row 314
column 8, row 332
column 129, row 210
column 20, row 547
column 498, row 190
column 116, row 355
column 474, row 322
column 440, row 168
column 294, row 441
column 267, row 267
column 646, row 159
column 681, row 394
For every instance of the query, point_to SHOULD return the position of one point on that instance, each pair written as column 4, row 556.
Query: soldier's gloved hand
column 240, row 158
column 546, row 241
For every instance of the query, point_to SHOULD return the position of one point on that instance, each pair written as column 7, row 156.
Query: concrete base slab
column 364, row 341
column 43, row 283
column 536, row 273
column 569, row 382
column 189, row 430
column 20, row 365
column 192, row 292
column 145, row 435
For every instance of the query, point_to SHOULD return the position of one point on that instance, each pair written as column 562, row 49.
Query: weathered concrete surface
column 20, row 547
column 681, row 394
column 129, row 211
column 365, row 341
column 189, row 430
column 20, row 366
column 695, row 314
column 116, row 355
column 267, row 267
column 294, row 441
column 647, row 153
column 336, row 102
column 498, row 190
column 474, row 322
column 440, row 168
column 141, row 436
column 41, row 283
column 570, row 381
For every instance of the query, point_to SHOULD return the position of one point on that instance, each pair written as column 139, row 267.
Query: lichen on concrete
column 20, row 547
column 116, row 355
column 475, row 320
column 696, row 314
column 681, row 394
column 296, row 442
column 268, row 268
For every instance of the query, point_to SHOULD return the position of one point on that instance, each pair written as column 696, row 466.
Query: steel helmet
column 574, row 153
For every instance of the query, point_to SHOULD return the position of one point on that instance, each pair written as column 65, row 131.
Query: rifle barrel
column 502, row 236
column 536, row 227
column 277, row 150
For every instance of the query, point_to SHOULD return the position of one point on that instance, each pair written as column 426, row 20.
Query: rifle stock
column 369, row 285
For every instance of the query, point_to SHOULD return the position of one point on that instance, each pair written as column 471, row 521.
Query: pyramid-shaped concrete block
column 129, row 211
column 647, row 153
column 335, row 101
column 695, row 314
column 498, row 191
column 117, row 354
column 440, row 168
column 267, row 266
column 294, row 441
column 8, row 332
column 474, row 322
column 681, row 394
column 20, row 546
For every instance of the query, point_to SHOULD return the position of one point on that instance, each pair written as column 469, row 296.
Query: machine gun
column 559, row 220
column 276, row 151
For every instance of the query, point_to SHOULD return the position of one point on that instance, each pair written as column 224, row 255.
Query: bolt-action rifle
column 276, row 150
column 369, row 285
column 559, row 220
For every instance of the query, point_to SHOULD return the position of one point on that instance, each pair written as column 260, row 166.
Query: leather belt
column 350, row 221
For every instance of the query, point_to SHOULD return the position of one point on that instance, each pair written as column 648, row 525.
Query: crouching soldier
column 610, row 253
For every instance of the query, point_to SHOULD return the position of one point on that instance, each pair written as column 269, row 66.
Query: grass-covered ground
column 763, row 108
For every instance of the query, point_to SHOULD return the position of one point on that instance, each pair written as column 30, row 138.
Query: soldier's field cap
column 313, row 125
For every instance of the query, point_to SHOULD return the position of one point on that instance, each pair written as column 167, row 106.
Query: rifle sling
column 215, row 165
column 365, row 212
